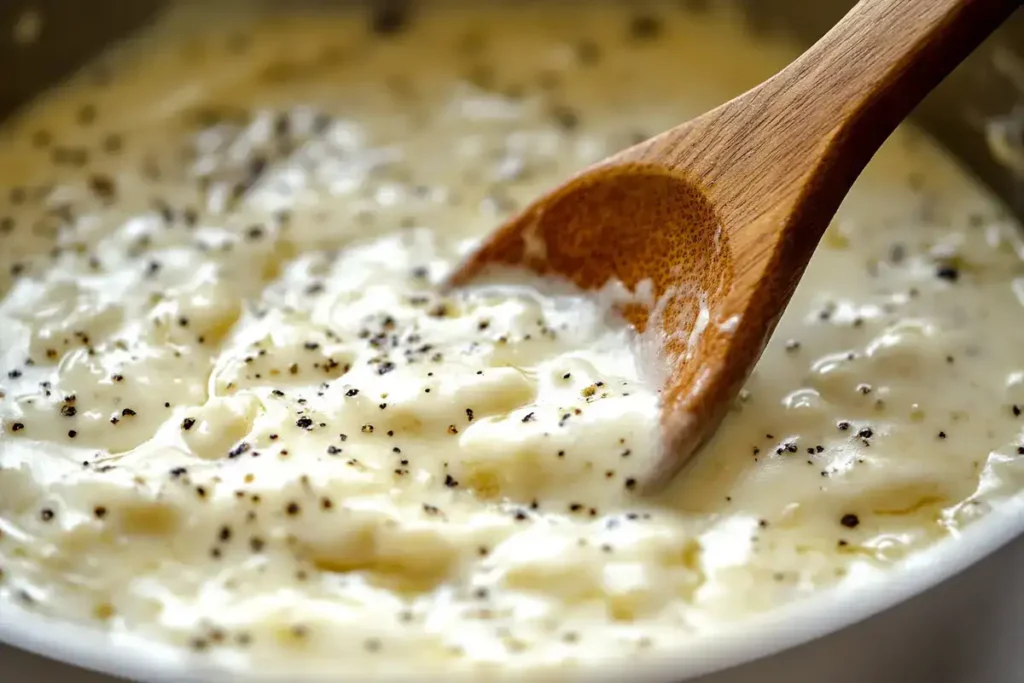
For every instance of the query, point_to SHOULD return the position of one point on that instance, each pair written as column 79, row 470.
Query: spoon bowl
column 672, row 258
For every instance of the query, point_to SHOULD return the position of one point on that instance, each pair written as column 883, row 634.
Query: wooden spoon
column 719, row 216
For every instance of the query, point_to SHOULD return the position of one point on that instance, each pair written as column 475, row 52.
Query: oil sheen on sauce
column 237, row 416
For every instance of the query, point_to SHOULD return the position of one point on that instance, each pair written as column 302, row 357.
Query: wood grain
column 723, row 212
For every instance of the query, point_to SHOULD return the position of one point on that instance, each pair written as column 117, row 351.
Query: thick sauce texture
column 239, row 416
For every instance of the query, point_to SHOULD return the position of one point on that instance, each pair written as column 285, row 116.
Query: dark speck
column 390, row 18
column 588, row 52
column 87, row 114
column 42, row 138
column 113, row 143
column 565, row 117
column 644, row 27
column 947, row 272
column 103, row 187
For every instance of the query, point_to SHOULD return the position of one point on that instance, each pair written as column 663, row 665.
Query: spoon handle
column 813, row 127
column 861, row 79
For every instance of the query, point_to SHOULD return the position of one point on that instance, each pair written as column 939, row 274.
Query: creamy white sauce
column 241, row 270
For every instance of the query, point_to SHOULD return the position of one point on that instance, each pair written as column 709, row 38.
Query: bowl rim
column 778, row 629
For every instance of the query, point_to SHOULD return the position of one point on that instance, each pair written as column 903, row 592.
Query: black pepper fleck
column 644, row 27
column 389, row 18
column 850, row 521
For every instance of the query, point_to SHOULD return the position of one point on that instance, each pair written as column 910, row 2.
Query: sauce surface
column 237, row 415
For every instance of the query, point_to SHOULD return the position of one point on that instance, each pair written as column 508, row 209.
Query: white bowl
column 850, row 655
